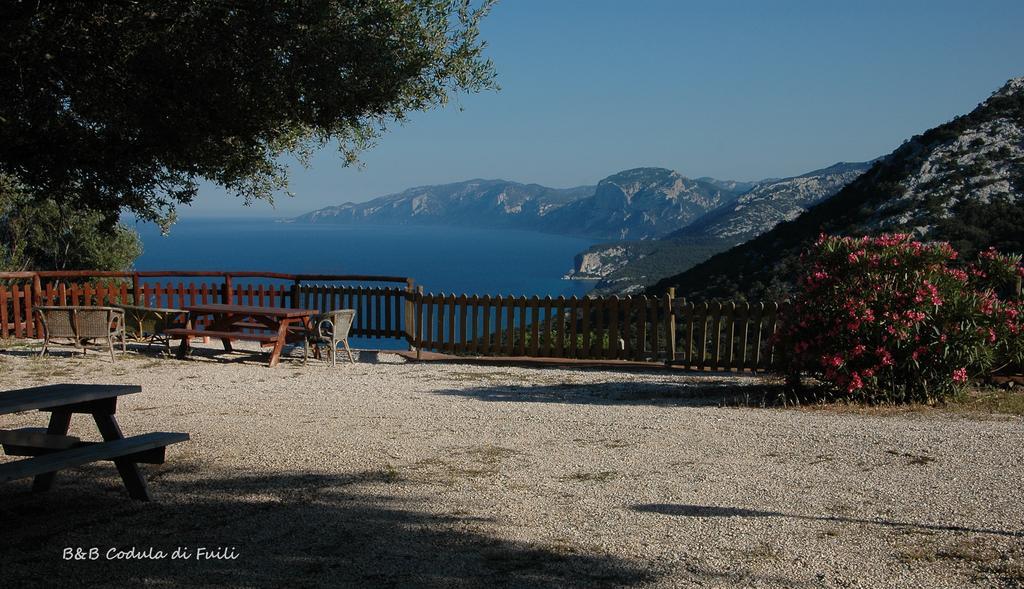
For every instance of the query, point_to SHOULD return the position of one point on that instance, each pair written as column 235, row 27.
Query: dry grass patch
column 480, row 461
column 602, row 476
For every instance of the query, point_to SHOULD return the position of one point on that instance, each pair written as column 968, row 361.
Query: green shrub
column 891, row 319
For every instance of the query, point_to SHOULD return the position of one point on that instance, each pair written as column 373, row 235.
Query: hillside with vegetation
column 960, row 182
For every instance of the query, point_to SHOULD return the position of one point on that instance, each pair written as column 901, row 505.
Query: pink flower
column 855, row 383
column 960, row 375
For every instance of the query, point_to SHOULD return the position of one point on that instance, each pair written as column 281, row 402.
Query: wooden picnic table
column 270, row 326
column 52, row 449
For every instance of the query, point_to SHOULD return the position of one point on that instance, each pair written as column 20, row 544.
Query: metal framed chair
column 330, row 329
column 82, row 324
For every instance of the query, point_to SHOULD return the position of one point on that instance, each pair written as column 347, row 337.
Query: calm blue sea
column 442, row 259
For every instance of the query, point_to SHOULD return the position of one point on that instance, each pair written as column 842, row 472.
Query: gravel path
column 398, row 474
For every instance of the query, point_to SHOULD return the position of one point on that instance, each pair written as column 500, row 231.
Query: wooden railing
column 665, row 329
column 704, row 336
column 20, row 292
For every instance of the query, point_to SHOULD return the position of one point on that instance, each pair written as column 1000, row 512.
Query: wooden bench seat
column 131, row 449
column 14, row 440
column 179, row 333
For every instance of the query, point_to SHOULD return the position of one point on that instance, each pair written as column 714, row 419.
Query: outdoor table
column 163, row 318
column 270, row 326
column 52, row 449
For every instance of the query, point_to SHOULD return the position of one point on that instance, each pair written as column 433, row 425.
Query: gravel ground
column 394, row 474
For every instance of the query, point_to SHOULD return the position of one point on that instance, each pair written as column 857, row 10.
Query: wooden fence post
column 417, row 324
column 295, row 294
column 670, row 325
column 136, row 290
column 37, row 298
column 226, row 290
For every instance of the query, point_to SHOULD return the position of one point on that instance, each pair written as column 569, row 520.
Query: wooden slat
column 585, row 328
column 743, row 333
column 5, row 326
column 36, row 437
column 16, row 294
column 614, row 350
column 510, row 312
column 56, row 461
column 640, row 318
column 499, row 314
column 439, row 334
column 364, row 309
column 461, row 304
column 597, row 318
column 46, row 396
column 685, row 310
column 560, row 327
column 378, row 316
column 428, row 322
column 521, row 330
column 574, row 318
column 534, row 311
column 449, row 332
column 548, row 328
column 474, row 328
column 702, row 337
column 248, row 334
column 774, row 356
column 729, row 324
column 756, row 321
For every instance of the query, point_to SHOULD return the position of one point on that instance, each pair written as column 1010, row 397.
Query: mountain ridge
column 637, row 203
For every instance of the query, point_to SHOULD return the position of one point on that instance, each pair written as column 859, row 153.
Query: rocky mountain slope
column 493, row 203
column 638, row 204
column 625, row 267
column 961, row 182
column 769, row 203
column 642, row 203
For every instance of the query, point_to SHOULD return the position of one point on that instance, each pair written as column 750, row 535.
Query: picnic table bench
column 160, row 318
column 52, row 449
column 270, row 326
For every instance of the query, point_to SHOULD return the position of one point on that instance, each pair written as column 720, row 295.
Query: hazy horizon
column 736, row 91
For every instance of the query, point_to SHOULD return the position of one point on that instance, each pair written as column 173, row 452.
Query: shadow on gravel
column 713, row 511
column 307, row 530
column 693, row 394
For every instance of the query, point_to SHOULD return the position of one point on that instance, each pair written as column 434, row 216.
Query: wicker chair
column 329, row 329
column 82, row 324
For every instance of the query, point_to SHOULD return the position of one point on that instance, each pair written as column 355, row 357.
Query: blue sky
column 735, row 90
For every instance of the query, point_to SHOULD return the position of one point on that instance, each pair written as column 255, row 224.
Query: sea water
column 442, row 259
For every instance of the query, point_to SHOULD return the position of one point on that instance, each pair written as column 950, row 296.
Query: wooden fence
column 705, row 336
column 665, row 329
column 380, row 308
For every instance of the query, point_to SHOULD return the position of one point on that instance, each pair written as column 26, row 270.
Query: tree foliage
column 127, row 105
column 46, row 235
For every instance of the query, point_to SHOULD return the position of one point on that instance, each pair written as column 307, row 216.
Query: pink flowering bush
column 891, row 319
